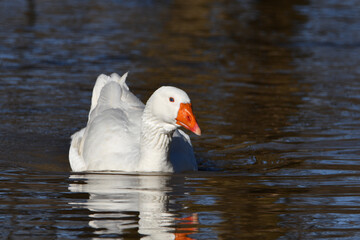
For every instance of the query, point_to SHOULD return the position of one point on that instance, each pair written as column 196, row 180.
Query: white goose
column 123, row 134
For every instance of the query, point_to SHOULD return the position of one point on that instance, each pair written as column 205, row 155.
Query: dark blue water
column 275, row 88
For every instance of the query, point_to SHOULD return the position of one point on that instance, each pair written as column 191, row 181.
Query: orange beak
column 187, row 119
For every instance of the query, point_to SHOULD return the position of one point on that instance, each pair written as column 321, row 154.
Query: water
column 275, row 88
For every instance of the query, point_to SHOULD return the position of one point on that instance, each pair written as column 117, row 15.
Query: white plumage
column 122, row 134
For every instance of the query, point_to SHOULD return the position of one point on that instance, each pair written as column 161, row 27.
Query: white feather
column 120, row 136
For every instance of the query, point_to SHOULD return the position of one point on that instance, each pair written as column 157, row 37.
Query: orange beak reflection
column 187, row 119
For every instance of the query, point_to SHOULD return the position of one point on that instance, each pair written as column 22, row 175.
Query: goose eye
column 171, row 99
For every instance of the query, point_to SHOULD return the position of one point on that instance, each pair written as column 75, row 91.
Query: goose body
column 123, row 134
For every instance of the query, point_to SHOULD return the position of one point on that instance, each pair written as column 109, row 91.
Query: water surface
column 275, row 88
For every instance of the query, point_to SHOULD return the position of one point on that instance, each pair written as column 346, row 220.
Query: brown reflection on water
column 246, row 199
column 31, row 13
column 265, row 90
column 176, row 54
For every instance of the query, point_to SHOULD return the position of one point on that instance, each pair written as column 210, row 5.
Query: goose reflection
column 122, row 204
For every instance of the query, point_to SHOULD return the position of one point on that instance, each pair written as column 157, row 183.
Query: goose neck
column 154, row 144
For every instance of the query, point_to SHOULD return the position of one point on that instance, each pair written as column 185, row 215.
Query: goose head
column 171, row 107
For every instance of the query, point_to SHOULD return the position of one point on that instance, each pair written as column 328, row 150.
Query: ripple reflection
column 123, row 204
